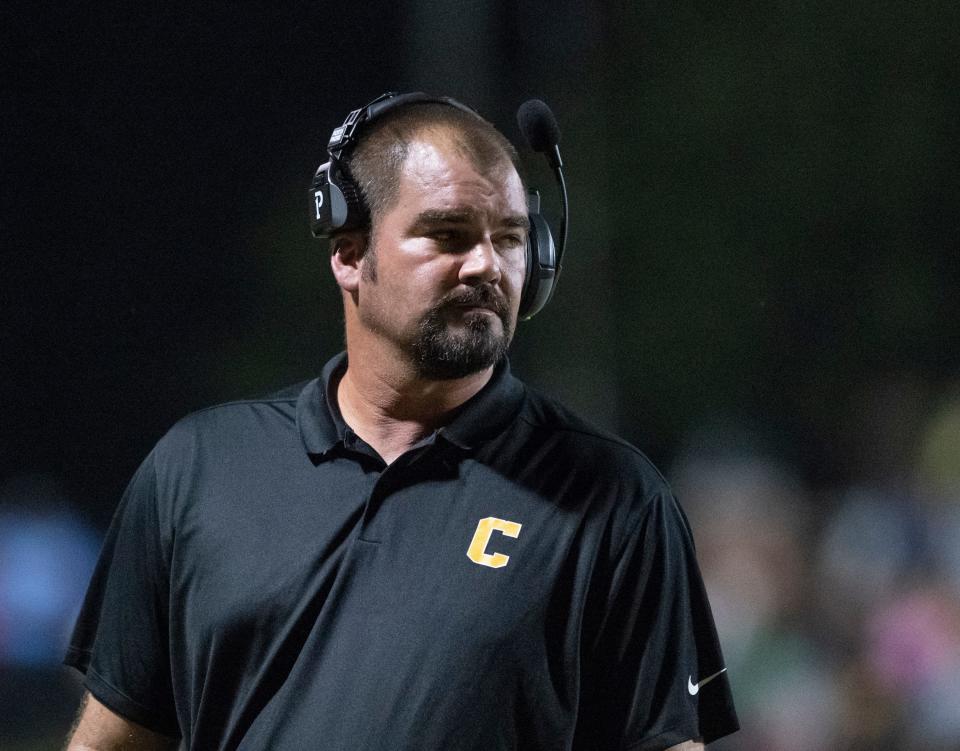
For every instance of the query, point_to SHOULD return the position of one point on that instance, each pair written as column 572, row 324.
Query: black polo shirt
column 517, row 580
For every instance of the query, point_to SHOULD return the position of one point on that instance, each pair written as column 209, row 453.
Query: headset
column 336, row 202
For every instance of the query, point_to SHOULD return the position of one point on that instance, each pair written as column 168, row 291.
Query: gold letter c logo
column 477, row 550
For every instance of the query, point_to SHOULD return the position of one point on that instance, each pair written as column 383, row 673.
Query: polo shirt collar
column 480, row 418
column 488, row 412
column 319, row 420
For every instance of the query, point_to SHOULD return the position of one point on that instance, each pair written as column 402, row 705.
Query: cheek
column 410, row 270
column 434, row 276
column 515, row 269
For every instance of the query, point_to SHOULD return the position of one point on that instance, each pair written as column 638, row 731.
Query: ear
column 346, row 259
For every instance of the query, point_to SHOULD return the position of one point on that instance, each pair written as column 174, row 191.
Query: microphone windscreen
column 538, row 125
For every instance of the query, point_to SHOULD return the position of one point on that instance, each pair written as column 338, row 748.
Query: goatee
column 442, row 354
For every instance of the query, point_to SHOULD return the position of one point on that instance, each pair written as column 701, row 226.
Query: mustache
column 482, row 297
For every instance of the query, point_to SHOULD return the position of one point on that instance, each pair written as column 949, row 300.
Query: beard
column 442, row 354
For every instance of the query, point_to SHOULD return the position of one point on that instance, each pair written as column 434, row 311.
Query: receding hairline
column 378, row 160
column 445, row 140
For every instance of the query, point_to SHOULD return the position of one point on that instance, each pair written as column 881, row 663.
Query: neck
column 390, row 407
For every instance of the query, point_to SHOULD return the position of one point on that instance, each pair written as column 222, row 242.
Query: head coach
column 414, row 551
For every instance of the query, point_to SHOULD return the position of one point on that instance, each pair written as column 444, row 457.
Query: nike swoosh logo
column 694, row 688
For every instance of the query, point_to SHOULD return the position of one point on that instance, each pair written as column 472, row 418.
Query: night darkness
column 764, row 235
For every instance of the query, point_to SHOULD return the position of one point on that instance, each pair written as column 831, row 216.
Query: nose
column 481, row 265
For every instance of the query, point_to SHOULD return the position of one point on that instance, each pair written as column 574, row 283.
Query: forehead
column 438, row 172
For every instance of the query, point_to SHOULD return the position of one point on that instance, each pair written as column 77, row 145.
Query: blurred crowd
column 838, row 608
column 47, row 554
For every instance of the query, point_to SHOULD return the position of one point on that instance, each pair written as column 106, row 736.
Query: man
column 413, row 551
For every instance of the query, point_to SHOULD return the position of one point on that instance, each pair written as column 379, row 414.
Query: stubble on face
column 440, row 353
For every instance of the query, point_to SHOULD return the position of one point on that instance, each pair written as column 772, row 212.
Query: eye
column 512, row 240
column 448, row 239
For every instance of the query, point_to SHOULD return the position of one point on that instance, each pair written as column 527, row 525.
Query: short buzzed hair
column 376, row 162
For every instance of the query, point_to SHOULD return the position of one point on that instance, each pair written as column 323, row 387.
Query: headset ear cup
column 335, row 202
column 355, row 214
column 321, row 224
column 538, row 284
column 339, row 208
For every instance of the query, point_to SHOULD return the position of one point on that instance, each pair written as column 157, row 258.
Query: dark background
column 763, row 257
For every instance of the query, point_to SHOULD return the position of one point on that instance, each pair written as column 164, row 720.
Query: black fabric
column 269, row 583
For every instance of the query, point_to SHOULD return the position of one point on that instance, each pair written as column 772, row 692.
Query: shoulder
column 604, row 479
column 260, row 420
column 566, row 456
column 590, row 444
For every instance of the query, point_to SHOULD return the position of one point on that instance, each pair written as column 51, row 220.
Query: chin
column 459, row 356
column 474, row 340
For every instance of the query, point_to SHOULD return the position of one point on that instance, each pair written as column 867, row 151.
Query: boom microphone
column 542, row 133
column 540, row 129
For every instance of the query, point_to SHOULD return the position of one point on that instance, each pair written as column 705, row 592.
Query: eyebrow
column 466, row 215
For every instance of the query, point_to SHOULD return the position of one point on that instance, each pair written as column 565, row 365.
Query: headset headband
column 346, row 136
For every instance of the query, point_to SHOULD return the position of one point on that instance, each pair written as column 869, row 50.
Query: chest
column 462, row 550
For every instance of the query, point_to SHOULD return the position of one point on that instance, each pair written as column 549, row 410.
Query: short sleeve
column 120, row 638
column 654, row 674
